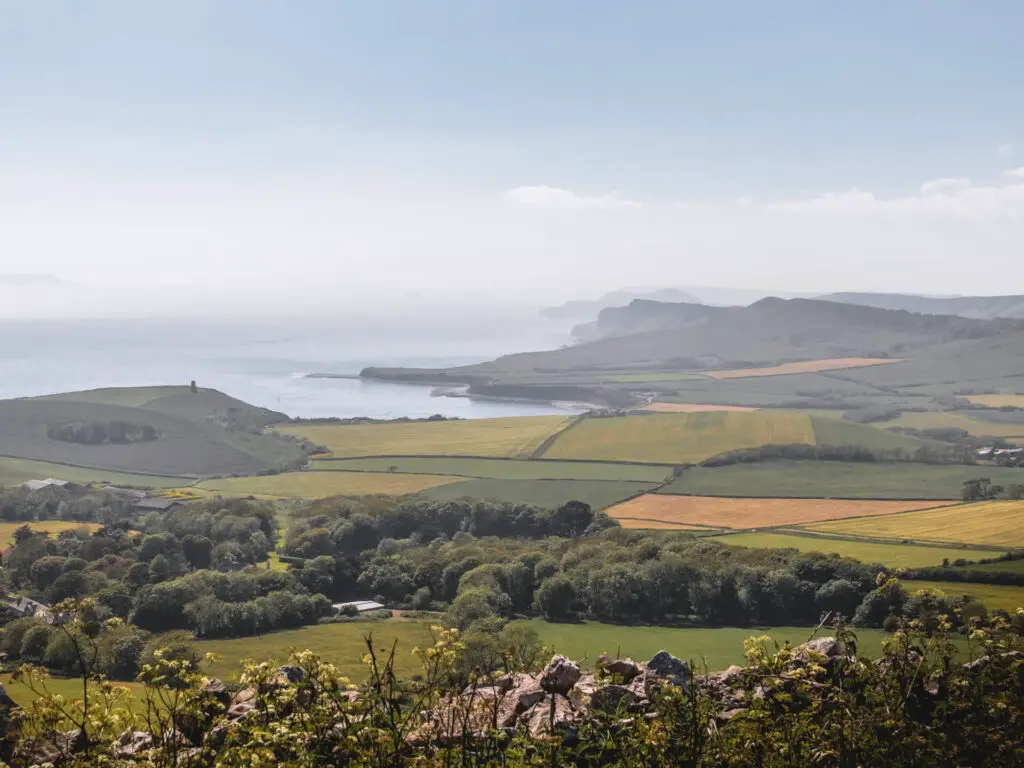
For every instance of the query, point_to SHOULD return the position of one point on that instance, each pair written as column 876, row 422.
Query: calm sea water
column 264, row 363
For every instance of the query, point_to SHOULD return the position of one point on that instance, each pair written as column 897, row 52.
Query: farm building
column 50, row 482
column 360, row 605
column 25, row 606
column 156, row 505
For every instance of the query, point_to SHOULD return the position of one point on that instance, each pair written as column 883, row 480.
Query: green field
column 541, row 493
column 988, row 523
column 341, row 644
column 17, row 471
column 837, row 479
column 320, row 485
column 960, row 420
column 833, row 431
column 678, row 438
column 506, row 437
column 131, row 397
column 713, row 648
column 201, row 433
column 69, row 688
column 893, row 555
column 501, row 469
column 994, row 596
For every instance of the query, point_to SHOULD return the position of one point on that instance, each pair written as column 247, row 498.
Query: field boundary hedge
column 478, row 477
column 108, row 470
column 791, row 531
column 538, row 459
column 825, row 498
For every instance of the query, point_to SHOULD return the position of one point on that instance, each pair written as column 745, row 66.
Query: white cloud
column 564, row 198
column 1015, row 173
column 944, row 185
column 1006, row 149
column 945, row 197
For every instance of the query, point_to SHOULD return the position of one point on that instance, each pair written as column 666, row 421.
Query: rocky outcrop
column 560, row 676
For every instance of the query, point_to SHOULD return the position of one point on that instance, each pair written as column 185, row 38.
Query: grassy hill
column 187, row 433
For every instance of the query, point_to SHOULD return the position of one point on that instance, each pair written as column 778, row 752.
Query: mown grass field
column 997, row 401
column 1007, row 598
column 892, row 555
column 500, row 469
column 824, row 479
column 511, row 437
column 678, row 438
column 750, row 512
column 52, row 527
column 807, row 366
column 62, row 686
column 342, row 644
column 692, row 408
column 320, row 485
column 957, row 419
column 16, row 471
column 712, row 648
column 834, row 431
column 541, row 493
column 130, row 397
column 989, row 523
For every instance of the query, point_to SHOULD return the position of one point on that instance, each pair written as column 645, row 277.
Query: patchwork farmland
column 500, row 469
column 507, row 437
column 678, row 438
column 751, row 512
column 807, row 366
column 836, row 479
column 318, row 485
column 659, row 407
column 990, row 523
column 893, row 554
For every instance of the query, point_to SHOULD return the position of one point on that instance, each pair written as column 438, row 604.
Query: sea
column 268, row 362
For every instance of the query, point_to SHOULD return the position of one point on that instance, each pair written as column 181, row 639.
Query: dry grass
column 678, row 438
column 735, row 514
column 997, row 401
column 807, row 366
column 692, row 408
column 52, row 527
column 320, row 485
column 516, row 436
column 991, row 523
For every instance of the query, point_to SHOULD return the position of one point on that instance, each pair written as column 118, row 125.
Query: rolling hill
column 982, row 307
column 169, row 431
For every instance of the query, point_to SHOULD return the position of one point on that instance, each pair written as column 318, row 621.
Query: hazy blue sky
column 544, row 149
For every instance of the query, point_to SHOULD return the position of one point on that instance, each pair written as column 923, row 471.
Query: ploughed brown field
column 720, row 512
column 807, row 366
column 692, row 408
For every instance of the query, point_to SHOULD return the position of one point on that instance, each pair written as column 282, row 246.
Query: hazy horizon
column 393, row 159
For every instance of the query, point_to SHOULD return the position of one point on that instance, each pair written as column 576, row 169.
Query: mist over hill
column 983, row 307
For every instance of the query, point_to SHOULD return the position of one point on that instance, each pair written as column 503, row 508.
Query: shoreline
column 447, row 389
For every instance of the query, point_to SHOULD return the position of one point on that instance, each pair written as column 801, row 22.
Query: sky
column 204, row 155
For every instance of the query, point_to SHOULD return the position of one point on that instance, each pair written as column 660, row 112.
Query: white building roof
column 360, row 605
